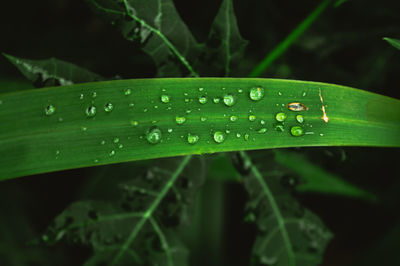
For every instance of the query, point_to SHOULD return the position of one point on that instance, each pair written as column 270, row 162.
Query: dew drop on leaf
column 297, row 131
column 49, row 110
column 201, row 89
column 202, row 99
column 91, row 111
column 202, row 119
column 246, row 136
column 116, row 140
column 134, row 123
column 127, row 92
column 219, row 136
column 103, row 142
column 233, row 118
column 256, row 93
column 192, row 139
column 165, row 98
column 112, row 153
column 94, row 94
column 216, row 100
column 280, row 117
column 299, row 118
column 262, row 130
column 252, row 118
column 154, row 135
column 229, row 100
column 279, row 127
column 108, row 107
column 180, row 120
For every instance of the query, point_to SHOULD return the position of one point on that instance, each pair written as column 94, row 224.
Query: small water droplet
column 240, row 90
column 227, row 131
column 180, row 120
column 229, row 100
column 186, row 100
column 300, row 118
column 280, row 93
column 84, row 129
column 91, row 111
column 134, row 123
column 165, row 98
column 116, row 140
column 233, row 118
column 246, row 136
column 112, row 153
column 94, row 94
column 81, row 96
column 145, row 110
column 297, row 131
column 238, row 135
column 201, row 89
column 279, row 127
column 170, row 130
column 154, row 135
column 262, row 122
column 131, row 105
column 219, row 136
column 96, row 160
column 202, row 99
column 262, row 130
column 188, row 111
column 120, row 146
column 108, row 107
column 50, row 109
column 304, row 94
column 256, row 93
column 252, row 118
column 202, row 119
column 280, row 117
column 321, row 134
column 127, row 92
column 192, row 139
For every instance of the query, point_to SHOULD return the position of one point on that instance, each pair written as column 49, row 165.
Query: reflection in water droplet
column 229, row 100
column 108, row 107
column 91, row 111
column 202, row 99
column 154, row 135
column 297, row 131
column 165, row 98
column 252, row 118
column 219, row 136
column 280, row 117
column 49, row 110
column 192, row 139
column 256, row 93
column 300, row 118
column 127, row 92
column 180, row 120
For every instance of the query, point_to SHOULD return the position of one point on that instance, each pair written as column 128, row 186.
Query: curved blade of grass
column 289, row 40
column 32, row 142
column 394, row 42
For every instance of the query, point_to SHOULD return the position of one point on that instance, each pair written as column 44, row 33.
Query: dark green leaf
column 394, row 42
column 225, row 45
column 288, row 234
column 158, row 28
column 52, row 72
column 137, row 227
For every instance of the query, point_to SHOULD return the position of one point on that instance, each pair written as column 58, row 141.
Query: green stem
column 289, row 40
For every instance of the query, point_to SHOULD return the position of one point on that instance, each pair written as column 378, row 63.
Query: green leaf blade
column 33, row 142
column 394, row 42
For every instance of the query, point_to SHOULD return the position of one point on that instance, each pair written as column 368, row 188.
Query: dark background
column 344, row 46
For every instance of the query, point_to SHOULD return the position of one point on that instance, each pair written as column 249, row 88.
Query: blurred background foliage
column 344, row 46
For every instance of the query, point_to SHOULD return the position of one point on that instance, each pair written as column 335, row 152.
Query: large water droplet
column 154, row 135
column 165, row 98
column 50, row 109
column 202, row 99
column 229, row 100
column 280, row 117
column 108, row 107
column 297, row 131
column 180, row 120
column 192, row 139
column 91, row 111
column 219, row 136
column 256, row 93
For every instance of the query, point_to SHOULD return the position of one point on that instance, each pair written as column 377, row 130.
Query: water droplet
column 91, row 111
column 188, row 111
column 108, row 107
column 256, row 93
column 94, row 94
column 216, row 100
column 120, row 146
column 134, row 123
column 127, row 92
column 233, row 118
column 49, row 110
column 246, row 136
column 229, row 100
column 297, row 131
column 219, row 136
column 280, row 93
column 112, row 153
column 202, row 99
column 192, row 139
column 227, row 131
column 60, row 119
column 262, row 130
column 131, row 105
column 321, row 134
column 116, row 140
column 96, row 161
column 154, row 135
column 238, row 135
column 300, row 118
column 304, row 94
column 81, row 96
column 165, row 98
column 180, row 120
column 202, row 119
column 170, row 130
column 240, row 90
column 186, row 100
column 201, row 89
column 264, row 260
column 252, row 118
column 145, row 110
column 279, row 127
column 103, row 142
column 280, row 117
column 262, row 122
column 84, row 129
column 297, row 107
